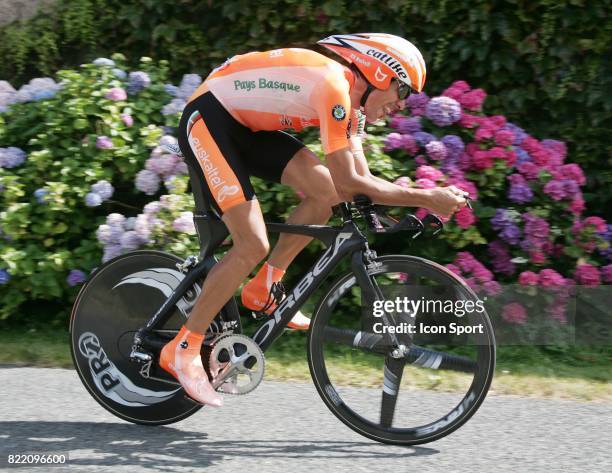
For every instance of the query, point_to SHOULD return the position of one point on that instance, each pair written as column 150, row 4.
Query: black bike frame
column 339, row 242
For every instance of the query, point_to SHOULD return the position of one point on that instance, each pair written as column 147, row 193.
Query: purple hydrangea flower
column 436, row 150
column 184, row 223
column 127, row 119
column 11, row 157
column 115, row 219
column 443, row 111
column 500, row 258
column 116, row 94
column 188, row 86
column 130, row 240
column 522, row 156
column 417, row 103
column 40, row 195
column 119, row 73
column 519, row 133
column 393, row 141
column 93, row 200
column 422, row 138
column 142, row 227
column 505, row 227
column 406, row 125
column 555, row 189
column 129, row 223
column 454, row 146
column 104, row 234
column 104, row 189
column 162, row 165
column 180, row 168
column 152, row 208
column 110, row 252
column 75, row 277
column 519, row 192
column 102, row 61
column 171, row 89
column 104, row 142
column 137, row 81
column 175, row 106
column 147, row 182
column 4, row 276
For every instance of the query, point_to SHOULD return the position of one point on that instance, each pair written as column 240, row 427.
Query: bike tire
column 118, row 299
column 445, row 424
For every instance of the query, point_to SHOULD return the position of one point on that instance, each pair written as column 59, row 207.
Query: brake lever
column 408, row 222
column 434, row 222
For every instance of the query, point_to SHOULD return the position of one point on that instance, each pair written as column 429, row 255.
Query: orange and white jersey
column 287, row 89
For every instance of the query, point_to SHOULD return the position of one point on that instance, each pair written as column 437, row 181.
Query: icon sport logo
column 338, row 112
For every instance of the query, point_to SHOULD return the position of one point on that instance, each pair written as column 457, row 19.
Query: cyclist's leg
column 311, row 179
column 209, row 146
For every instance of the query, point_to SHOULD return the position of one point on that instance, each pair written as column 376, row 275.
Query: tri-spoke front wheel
column 411, row 367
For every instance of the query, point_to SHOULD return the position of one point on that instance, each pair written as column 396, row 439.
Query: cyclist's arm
column 361, row 163
column 343, row 167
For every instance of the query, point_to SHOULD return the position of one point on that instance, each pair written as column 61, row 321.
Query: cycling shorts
column 227, row 153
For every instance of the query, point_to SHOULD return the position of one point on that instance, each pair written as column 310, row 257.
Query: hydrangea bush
column 528, row 225
column 84, row 177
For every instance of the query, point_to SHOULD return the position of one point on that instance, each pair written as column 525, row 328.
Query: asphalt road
column 284, row 427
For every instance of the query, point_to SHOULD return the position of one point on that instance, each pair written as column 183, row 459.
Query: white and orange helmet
column 380, row 57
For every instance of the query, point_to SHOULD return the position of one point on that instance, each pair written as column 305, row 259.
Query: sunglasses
column 403, row 90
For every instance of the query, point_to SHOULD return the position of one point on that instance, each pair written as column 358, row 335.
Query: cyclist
column 232, row 128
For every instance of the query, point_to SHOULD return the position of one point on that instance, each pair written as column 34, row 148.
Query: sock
column 256, row 292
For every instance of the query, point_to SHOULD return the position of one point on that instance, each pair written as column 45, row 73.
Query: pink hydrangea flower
column 529, row 170
column 587, row 275
column 116, row 94
column 409, row 144
column 402, row 181
column 481, row 159
column 550, row 278
column 514, row 313
column 574, row 172
column 606, row 273
column 425, row 183
column 577, row 205
column 504, row 137
column 465, row 218
column 528, row 278
column 469, row 121
column 429, row 172
column 473, row 100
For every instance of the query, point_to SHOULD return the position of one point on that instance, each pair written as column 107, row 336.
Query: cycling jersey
column 286, row 88
column 232, row 125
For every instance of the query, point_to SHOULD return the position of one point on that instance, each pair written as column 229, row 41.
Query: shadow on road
column 90, row 443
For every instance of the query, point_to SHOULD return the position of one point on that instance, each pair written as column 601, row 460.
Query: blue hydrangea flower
column 75, row 277
column 93, row 200
column 11, row 157
column 104, row 189
column 130, row 240
column 4, row 276
column 443, row 111
column 422, row 138
column 175, row 106
column 137, row 81
column 119, row 73
column 147, row 182
column 102, row 61
column 40, row 195
column 171, row 89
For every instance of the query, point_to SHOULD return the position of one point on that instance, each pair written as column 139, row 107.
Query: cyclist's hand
column 445, row 201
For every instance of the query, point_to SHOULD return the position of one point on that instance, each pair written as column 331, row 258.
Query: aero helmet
column 380, row 57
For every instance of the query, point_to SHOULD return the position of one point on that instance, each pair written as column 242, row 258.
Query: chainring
column 228, row 368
